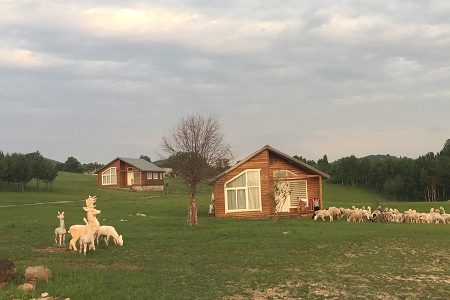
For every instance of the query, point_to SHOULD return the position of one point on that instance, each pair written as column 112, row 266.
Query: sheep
column 355, row 216
column 323, row 213
column 109, row 231
column 60, row 232
column 87, row 239
column 336, row 212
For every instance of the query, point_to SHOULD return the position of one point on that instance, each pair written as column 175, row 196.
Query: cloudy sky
column 100, row 79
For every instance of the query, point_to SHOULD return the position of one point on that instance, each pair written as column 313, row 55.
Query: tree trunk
column 192, row 213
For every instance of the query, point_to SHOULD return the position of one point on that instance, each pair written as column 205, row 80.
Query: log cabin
column 247, row 188
column 131, row 173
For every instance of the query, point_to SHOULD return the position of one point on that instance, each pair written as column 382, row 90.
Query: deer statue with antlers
column 77, row 231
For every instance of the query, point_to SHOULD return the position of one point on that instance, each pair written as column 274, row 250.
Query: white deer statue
column 60, row 232
column 76, row 231
column 87, row 240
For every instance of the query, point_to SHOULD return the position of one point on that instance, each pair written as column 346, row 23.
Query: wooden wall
column 122, row 176
column 267, row 162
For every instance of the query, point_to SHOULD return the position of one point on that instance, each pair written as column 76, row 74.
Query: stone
column 7, row 269
column 38, row 273
column 28, row 286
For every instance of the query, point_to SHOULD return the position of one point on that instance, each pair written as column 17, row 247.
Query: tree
column 195, row 145
column 20, row 169
column 281, row 191
column 72, row 165
column 3, row 168
column 92, row 167
column 323, row 165
column 37, row 165
column 49, row 173
column 446, row 149
column 145, row 157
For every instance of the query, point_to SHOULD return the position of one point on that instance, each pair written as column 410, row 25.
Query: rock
column 7, row 269
column 29, row 286
column 38, row 273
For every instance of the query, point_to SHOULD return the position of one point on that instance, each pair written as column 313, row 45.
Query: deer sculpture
column 77, row 231
column 60, row 232
column 87, row 240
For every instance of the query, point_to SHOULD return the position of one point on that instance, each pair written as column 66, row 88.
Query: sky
column 96, row 80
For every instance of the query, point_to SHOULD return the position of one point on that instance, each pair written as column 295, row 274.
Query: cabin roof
column 283, row 155
column 138, row 163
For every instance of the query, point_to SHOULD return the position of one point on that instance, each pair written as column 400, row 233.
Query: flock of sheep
column 383, row 215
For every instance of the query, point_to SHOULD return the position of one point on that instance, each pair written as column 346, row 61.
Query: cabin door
column 131, row 177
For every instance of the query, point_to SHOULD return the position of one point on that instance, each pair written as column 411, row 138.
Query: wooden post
column 320, row 192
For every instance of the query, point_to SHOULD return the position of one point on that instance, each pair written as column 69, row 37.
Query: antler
column 90, row 201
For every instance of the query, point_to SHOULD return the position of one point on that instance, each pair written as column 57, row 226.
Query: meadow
column 163, row 258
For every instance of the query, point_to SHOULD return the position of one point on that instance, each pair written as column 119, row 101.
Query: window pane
column 237, row 182
column 241, row 203
column 231, row 199
column 252, row 178
column 253, row 198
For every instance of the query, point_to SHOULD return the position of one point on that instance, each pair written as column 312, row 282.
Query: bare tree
column 195, row 145
column 281, row 192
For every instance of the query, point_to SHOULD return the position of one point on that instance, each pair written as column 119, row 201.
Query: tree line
column 17, row 168
column 426, row 178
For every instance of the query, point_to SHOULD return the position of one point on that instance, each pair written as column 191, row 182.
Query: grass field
column 163, row 258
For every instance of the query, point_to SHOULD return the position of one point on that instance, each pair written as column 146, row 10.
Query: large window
column 299, row 189
column 243, row 192
column 109, row 177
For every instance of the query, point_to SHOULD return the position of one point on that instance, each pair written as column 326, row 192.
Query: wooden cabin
column 244, row 189
column 131, row 173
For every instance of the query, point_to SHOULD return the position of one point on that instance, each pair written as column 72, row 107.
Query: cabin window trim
column 109, row 176
column 245, row 191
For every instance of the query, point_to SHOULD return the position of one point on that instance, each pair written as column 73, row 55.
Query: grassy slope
column 163, row 258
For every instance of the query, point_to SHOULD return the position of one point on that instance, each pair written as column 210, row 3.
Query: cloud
column 21, row 58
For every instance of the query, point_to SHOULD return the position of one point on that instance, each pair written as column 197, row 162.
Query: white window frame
column 246, row 192
column 149, row 175
column 109, row 176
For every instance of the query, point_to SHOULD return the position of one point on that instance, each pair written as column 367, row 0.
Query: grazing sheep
column 324, row 213
column 336, row 212
column 355, row 216
column 109, row 231
column 87, row 239
column 60, row 232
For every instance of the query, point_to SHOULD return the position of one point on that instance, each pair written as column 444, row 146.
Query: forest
column 426, row 178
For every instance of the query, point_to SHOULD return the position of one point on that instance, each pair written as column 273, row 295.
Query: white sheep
column 336, row 212
column 109, row 231
column 87, row 239
column 324, row 213
column 355, row 216
column 60, row 232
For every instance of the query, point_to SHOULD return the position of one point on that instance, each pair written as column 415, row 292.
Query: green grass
column 163, row 258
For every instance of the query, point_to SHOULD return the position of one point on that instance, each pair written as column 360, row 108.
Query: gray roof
column 289, row 158
column 141, row 164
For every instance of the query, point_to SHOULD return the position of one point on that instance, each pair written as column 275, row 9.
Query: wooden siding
column 267, row 162
column 122, row 173
column 260, row 162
